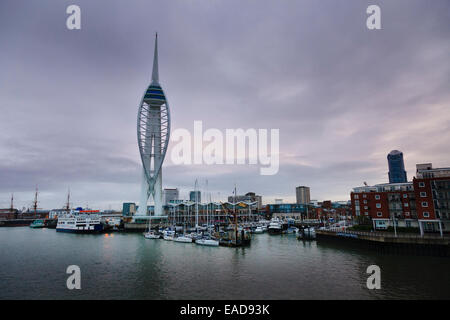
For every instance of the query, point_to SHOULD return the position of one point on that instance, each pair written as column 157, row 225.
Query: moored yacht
column 183, row 238
column 258, row 230
column 307, row 234
column 152, row 235
column 169, row 235
column 275, row 226
column 207, row 241
column 39, row 223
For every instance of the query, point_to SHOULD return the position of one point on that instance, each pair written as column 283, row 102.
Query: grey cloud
column 342, row 96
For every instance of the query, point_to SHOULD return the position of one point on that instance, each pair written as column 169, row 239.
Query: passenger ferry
column 80, row 221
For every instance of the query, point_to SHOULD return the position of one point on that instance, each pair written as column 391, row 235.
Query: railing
column 384, row 234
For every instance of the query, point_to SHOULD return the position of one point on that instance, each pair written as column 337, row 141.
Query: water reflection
column 127, row 266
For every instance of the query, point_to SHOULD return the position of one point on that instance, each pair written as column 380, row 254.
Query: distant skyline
column 341, row 95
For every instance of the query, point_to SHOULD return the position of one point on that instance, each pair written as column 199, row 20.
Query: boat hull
column 152, row 236
column 274, row 231
column 211, row 243
column 97, row 229
column 183, row 240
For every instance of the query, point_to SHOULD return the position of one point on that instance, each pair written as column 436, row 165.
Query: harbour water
column 127, row 266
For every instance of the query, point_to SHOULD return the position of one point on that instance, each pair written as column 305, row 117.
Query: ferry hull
column 97, row 229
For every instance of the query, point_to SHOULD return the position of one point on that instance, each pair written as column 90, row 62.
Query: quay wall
column 388, row 243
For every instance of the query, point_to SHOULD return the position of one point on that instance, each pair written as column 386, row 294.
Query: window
column 407, row 214
column 423, row 194
column 366, row 207
column 406, row 204
column 378, row 205
column 364, row 195
column 405, row 196
column 380, row 214
column 425, row 204
column 426, row 214
column 408, row 224
column 422, row 184
column 356, row 202
column 365, row 201
column 366, row 213
column 355, row 196
column 377, row 197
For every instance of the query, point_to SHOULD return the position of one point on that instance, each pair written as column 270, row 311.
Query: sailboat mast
column 35, row 202
column 235, row 215
column 196, row 204
column 207, row 206
column 68, row 202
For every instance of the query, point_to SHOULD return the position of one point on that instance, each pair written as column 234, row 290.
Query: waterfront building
column 303, row 195
column 170, row 196
column 432, row 191
column 195, row 196
column 153, row 131
column 128, row 209
column 384, row 203
column 8, row 213
column 248, row 197
column 185, row 213
column 423, row 203
column 397, row 173
column 55, row 213
column 287, row 210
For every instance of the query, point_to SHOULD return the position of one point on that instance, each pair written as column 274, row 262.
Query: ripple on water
column 274, row 267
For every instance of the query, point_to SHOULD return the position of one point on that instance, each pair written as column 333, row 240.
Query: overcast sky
column 341, row 95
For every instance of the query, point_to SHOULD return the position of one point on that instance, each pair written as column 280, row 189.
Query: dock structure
column 387, row 242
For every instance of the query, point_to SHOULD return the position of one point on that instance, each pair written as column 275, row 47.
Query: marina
column 128, row 266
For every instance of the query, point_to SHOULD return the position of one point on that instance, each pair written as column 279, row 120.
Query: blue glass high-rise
column 397, row 173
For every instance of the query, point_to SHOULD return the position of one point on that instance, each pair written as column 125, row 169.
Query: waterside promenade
column 428, row 244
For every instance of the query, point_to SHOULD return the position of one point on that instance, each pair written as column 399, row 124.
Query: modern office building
column 195, row 196
column 303, row 195
column 170, row 196
column 397, row 173
column 153, row 131
column 287, row 210
column 128, row 209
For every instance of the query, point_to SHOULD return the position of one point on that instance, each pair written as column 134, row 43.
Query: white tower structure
column 153, row 132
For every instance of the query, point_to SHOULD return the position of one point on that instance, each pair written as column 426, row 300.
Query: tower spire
column 155, row 73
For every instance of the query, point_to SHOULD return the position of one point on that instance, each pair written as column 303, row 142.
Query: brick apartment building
column 422, row 203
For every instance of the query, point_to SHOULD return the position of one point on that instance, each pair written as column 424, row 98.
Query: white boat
column 80, row 221
column 275, row 226
column 309, row 234
column 151, row 234
column 207, row 242
column 258, row 230
column 184, row 239
column 169, row 235
column 292, row 230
